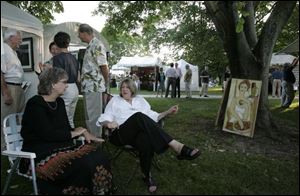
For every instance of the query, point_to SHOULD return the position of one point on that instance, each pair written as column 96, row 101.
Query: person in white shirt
column 12, row 94
column 134, row 123
column 171, row 76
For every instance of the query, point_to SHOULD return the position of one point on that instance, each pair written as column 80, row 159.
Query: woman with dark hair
column 61, row 166
column 54, row 50
column 135, row 124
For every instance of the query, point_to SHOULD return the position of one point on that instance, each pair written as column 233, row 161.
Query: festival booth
column 195, row 76
column 144, row 67
column 31, row 50
column 282, row 58
column 119, row 70
column 77, row 48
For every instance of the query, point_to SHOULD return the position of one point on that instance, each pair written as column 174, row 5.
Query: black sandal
column 150, row 183
column 186, row 153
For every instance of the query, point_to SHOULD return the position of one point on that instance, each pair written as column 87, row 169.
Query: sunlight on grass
column 294, row 105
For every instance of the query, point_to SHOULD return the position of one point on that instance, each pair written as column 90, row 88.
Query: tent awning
column 281, row 59
column 117, row 67
column 146, row 61
column 14, row 17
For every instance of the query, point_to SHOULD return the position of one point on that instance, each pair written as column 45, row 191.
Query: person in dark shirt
column 54, row 50
column 160, row 78
column 69, row 63
column 204, row 81
column 288, row 93
column 227, row 76
column 62, row 167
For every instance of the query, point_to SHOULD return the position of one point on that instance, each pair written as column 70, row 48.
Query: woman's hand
column 89, row 137
column 112, row 125
column 78, row 131
column 173, row 109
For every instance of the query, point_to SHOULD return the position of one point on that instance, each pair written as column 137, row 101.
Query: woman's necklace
column 51, row 107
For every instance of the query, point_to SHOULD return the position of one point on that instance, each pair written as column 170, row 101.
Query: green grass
column 225, row 167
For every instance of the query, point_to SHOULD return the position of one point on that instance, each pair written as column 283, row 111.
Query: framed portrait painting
column 25, row 54
column 241, row 110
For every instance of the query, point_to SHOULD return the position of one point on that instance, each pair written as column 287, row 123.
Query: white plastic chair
column 14, row 141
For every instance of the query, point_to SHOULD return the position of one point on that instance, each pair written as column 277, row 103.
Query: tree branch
column 271, row 30
column 217, row 17
column 249, row 26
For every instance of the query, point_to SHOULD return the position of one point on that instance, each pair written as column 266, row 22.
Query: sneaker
column 205, row 96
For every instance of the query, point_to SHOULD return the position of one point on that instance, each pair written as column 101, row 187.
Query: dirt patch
column 285, row 145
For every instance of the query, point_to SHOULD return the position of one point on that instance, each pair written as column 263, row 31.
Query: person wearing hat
column 288, row 93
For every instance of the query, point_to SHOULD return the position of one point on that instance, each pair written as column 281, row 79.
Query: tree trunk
column 249, row 58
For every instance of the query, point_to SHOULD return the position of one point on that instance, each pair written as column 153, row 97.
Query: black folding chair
column 117, row 151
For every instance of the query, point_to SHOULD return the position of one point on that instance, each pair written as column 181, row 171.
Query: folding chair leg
column 33, row 177
column 124, row 186
column 155, row 163
column 133, row 173
column 13, row 169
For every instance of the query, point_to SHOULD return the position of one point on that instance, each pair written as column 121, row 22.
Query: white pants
column 18, row 104
column 71, row 97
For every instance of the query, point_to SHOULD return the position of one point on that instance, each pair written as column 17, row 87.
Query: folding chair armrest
column 21, row 154
column 80, row 139
column 106, row 132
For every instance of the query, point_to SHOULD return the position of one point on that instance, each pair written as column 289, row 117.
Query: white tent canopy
column 195, row 76
column 281, row 59
column 146, row 61
column 72, row 29
column 119, row 70
column 118, row 67
column 13, row 17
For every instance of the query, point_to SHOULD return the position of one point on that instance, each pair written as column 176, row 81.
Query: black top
column 69, row 63
column 288, row 74
column 227, row 75
column 160, row 77
column 44, row 127
column 205, row 79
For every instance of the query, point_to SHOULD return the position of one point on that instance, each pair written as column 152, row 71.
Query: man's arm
column 105, row 72
column 5, row 91
column 295, row 62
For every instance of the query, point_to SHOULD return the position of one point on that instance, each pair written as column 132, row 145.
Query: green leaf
column 240, row 26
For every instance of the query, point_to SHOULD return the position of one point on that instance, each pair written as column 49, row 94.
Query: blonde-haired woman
column 135, row 124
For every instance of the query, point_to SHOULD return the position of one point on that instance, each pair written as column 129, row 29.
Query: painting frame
column 242, row 105
column 25, row 54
